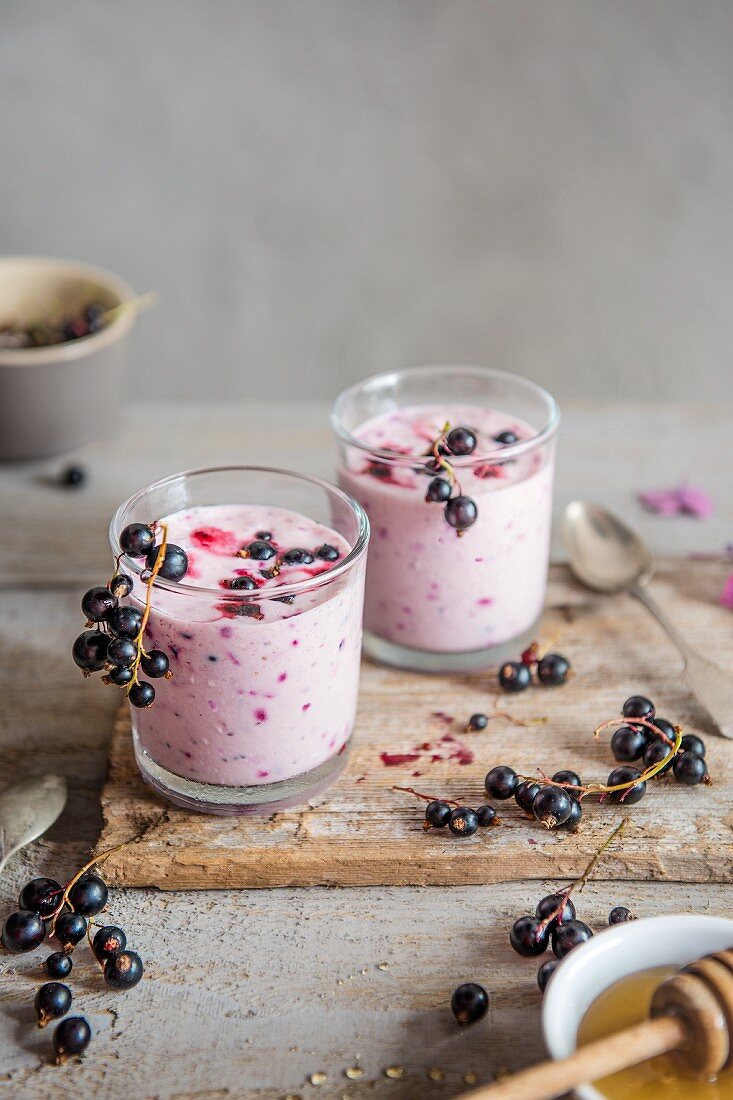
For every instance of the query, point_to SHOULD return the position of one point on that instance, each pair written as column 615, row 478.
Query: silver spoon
column 27, row 810
column 608, row 556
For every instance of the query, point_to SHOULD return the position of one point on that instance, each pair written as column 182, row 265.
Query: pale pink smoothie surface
column 427, row 588
column 260, row 692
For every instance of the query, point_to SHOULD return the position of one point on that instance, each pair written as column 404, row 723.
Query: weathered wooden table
column 250, row 993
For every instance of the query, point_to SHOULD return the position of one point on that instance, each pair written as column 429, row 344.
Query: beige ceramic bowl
column 54, row 398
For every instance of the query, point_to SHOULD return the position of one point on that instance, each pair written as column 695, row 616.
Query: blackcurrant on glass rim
column 439, row 371
column 136, row 566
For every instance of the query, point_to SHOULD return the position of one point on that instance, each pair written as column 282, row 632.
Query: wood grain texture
column 363, row 832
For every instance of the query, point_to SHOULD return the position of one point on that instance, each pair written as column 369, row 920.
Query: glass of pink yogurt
column 443, row 598
column 263, row 635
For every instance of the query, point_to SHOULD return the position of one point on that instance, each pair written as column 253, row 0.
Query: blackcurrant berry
column 638, row 706
column 665, row 727
column 175, row 562
column 514, row 676
column 261, row 550
column 525, row 793
column 463, row 821
column 142, row 695
column 628, row 743
column 485, row 815
column 655, row 752
column 89, row 895
column 71, row 1037
column 461, row 513
column 568, row 935
column 123, row 971
column 570, row 777
column 576, row 815
column 501, row 782
column 90, row 650
column 108, row 941
column 71, row 928
column 121, row 585
column 58, row 965
column 549, row 905
column 469, row 1003
column 52, row 1001
column 552, row 806
column 327, row 552
column 297, row 556
column 689, row 768
column 155, row 664
column 266, row 536
column 125, row 622
column 545, row 972
column 246, row 584
column 692, row 743
column 73, row 477
column 477, row 722
column 505, row 438
column 437, row 814
column 122, row 652
column 461, row 441
column 23, row 931
column 438, row 491
column 552, row 669
column 119, row 676
column 629, row 795
column 42, row 896
column 528, row 937
column 619, row 914
column 97, row 603
column 136, row 539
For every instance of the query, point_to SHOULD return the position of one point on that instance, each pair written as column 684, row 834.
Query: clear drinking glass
column 261, row 704
column 436, row 602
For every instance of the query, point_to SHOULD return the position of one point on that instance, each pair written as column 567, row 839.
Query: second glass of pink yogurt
column 442, row 599
column 263, row 635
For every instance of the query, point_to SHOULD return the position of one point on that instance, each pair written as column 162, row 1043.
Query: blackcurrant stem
column 519, row 721
column 95, row 862
column 580, row 883
column 160, row 558
column 426, row 797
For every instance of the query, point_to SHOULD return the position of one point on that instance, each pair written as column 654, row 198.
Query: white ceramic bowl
column 613, row 954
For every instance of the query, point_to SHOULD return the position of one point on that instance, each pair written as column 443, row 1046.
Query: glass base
column 424, row 660
column 211, row 798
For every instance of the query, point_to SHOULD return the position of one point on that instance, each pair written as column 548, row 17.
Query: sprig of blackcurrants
column 460, row 511
column 114, row 639
column 65, row 913
column 554, row 923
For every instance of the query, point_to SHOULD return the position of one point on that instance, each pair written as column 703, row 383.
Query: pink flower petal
column 726, row 596
column 687, row 500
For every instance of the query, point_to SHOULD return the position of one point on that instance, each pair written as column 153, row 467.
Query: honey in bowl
column 627, row 1003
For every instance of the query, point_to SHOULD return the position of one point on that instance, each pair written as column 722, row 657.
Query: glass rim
column 501, row 454
column 136, row 565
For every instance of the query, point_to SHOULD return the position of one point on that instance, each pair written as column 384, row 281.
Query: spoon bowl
column 604, row 553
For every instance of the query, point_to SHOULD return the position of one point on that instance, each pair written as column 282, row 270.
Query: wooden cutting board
column 363, row 832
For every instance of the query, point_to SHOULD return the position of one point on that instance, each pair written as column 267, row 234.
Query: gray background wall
column 324, row 188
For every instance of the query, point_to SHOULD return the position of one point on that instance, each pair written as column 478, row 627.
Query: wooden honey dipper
column 691, row 1012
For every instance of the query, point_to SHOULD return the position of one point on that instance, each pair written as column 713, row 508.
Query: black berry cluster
column 554, row 924
column 46, row 908
column 551, row 669
column 113, row 641
column 555, row 803
column 650, row 739
column 461, row 820
column 460, row 511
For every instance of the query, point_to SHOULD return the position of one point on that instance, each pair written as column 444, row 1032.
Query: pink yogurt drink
column 263, row 635
column 438, row 598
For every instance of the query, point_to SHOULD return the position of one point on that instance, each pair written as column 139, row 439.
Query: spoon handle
column 712, row 686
